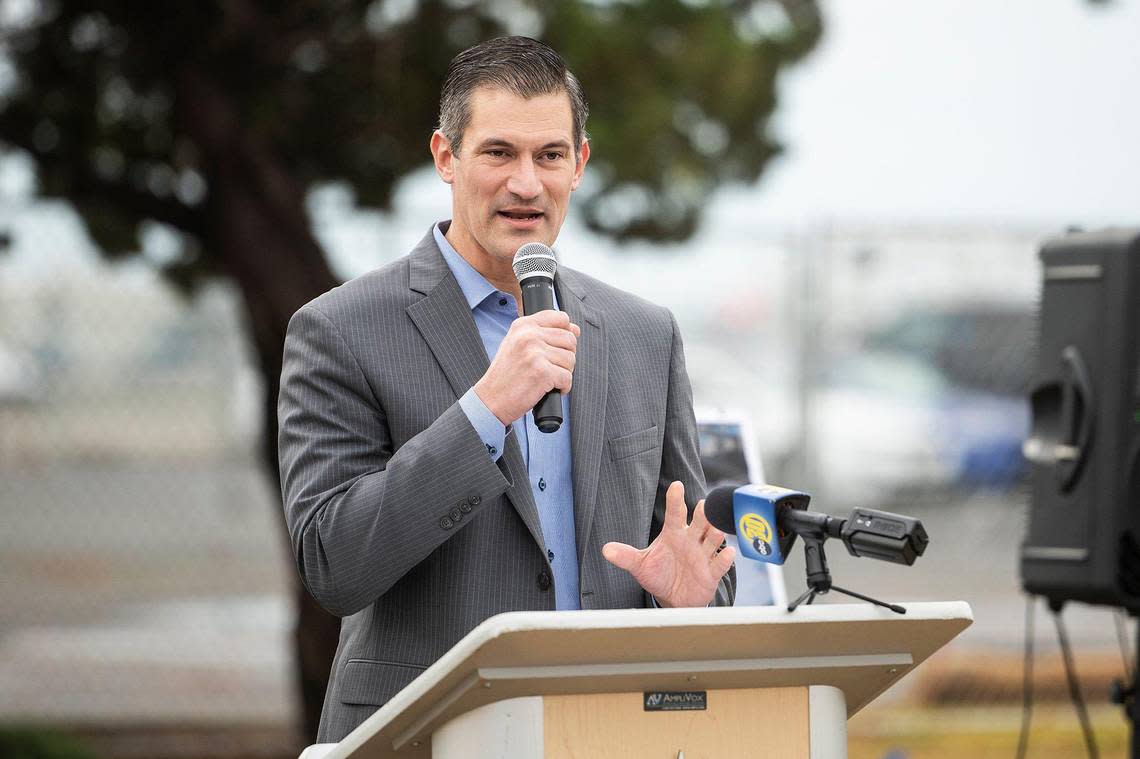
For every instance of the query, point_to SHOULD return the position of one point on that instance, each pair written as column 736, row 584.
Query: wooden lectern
column 669, row 683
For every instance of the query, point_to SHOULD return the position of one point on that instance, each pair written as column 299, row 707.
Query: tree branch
column 144, row 204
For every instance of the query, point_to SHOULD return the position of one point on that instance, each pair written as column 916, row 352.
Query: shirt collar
column 474, row 285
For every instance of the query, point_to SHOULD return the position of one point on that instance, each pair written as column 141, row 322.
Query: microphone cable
column 1074, row 685
column 1122, row 638
column 1027, row 678
column 1124, row 690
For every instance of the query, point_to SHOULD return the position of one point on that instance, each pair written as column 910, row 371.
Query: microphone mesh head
column 533, row 259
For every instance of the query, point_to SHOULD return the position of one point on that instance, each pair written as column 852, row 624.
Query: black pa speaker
column 1083, row 537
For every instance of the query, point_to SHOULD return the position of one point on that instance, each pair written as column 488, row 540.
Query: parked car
column 17, row 377
column 934, row 401
column 986, row 347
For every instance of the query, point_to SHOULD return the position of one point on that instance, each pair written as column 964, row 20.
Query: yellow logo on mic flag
column 753, row 527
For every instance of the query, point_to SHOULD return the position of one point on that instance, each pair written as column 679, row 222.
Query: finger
column 551, row 318
column 675, row 510
column 621, row 555
column 576, row 329
column 559, row 338
column 561, row 379
column 700, row 522
column 561, row 357
column 723, row 561
column 712, row 542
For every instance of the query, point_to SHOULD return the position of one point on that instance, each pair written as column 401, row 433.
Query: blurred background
column 841, row 202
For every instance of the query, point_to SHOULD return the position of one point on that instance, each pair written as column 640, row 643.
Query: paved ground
column 143, row 594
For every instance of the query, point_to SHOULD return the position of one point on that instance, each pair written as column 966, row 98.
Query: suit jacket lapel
column 587, row 402
column 444, row 319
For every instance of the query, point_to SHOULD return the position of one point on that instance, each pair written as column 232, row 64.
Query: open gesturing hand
column 683, row 566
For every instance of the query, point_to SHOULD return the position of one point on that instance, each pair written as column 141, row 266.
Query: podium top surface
column 858, row 648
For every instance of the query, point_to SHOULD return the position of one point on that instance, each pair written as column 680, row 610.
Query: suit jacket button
column 475, row 500
column 446, row 523
column 544, row 580
column 464, row 507
column 455, row 514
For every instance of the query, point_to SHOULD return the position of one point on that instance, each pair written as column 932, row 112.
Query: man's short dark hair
column 520, row 65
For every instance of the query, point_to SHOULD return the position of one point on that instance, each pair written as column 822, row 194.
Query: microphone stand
column 819, row 578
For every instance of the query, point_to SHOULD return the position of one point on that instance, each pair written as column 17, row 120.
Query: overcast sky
column 949, row 109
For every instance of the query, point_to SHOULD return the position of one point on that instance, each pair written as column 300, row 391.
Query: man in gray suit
column 419, row 495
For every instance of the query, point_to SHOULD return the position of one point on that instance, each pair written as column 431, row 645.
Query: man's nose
column 524, row 182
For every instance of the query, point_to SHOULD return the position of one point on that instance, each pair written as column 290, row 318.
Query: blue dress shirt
column 547, row 455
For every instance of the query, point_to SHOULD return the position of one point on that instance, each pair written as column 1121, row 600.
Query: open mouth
column 521, row 215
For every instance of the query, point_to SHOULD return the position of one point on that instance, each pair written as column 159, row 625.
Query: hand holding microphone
column 535, row 362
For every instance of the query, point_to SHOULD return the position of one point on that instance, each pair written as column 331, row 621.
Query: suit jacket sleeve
column 680, row 456
column 359, row 514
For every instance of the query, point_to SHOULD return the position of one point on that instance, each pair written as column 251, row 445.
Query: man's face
column 512, row 180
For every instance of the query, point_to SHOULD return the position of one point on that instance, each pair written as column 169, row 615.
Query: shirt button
column 446, row 523
column 541, row 484
column 550, row 554
column 492, row 449
column 456, row 514
column 464, row 507
column 543, row 580
column 502, row 301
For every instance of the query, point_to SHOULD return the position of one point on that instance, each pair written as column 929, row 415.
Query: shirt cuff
column 487, row 426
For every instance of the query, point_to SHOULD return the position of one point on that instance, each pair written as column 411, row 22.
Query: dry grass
column 914, row 732
column 968, row 704
column 981, row 678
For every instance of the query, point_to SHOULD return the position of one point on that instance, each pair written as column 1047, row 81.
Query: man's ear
column 443, row 157
column 583, row 156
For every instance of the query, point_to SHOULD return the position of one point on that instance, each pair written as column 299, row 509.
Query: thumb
column 621, row 555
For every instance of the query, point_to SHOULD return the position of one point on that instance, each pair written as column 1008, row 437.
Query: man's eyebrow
column 499, row 142
column 494, row 142
column 556, row 144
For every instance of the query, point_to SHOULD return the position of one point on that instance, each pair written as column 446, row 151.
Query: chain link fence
column 142, row 551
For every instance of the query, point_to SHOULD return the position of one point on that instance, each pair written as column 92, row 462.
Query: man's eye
column 497, row 153
column 552, row 156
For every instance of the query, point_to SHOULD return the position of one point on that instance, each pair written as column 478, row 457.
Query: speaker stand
column 1125, row 695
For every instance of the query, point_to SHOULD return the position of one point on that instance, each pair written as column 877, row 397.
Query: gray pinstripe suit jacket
column 400, row 521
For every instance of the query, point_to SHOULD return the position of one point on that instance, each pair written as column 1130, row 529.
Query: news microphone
column 752, row 513
column 534, row 266
column 769, row 518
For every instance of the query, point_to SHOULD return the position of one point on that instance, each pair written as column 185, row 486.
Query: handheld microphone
column 770, row 518
column 534, row 266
